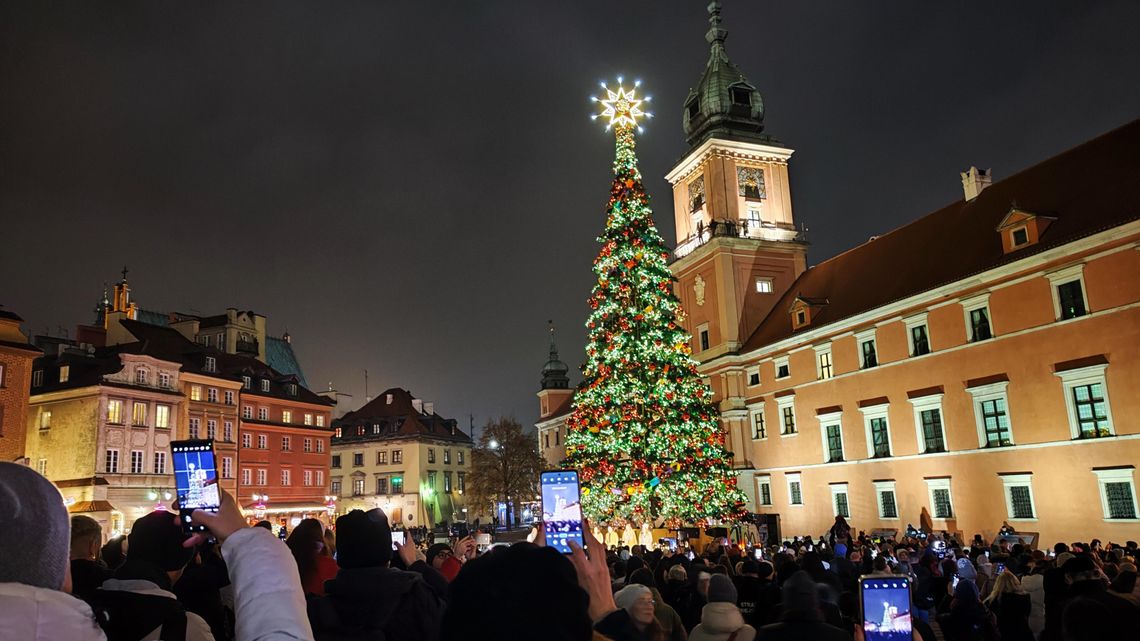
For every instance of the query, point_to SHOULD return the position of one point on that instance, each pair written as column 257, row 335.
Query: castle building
column 16, row 357
column 398, row 454
column 973, row 367
column 554, row 400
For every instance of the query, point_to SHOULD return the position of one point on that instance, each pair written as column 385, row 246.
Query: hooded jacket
column 396, row 602
column 30, row 613
column 718, row 621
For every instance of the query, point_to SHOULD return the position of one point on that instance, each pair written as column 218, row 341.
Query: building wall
column 419, row 500
column 222, row 413
column 273, row 459
column 552, row 440
column 1029, row 347
column 70, row 444
column 15, row 381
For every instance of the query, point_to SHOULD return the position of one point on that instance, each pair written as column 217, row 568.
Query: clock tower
column 738, row 249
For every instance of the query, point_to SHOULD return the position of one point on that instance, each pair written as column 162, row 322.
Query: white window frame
column 760, row 482
column 790, row 478
column 1010, row 481
column 320, row 420
column 246, row 476
column 972, row 303
column 107, row 468
column 921, row 404
column 164, row 380
column 828, row 419
column 781, row 403
column 41, row 467
column 211, row 364
column 227, row 467
column 64, row 373
column 749, row 373
column 307, row 419
column 229, row 397
column 836, row 490
column 160, row 462
column 886, row 486
column 782, row 361
column 703, row 328
column 262, row 441
column 990, row 392
column 867, row 336
column 939, row 484
column 918, row 320
column 320, row 446
column 263, row 413
column 265, row 384
column 286, row 416
column 1067, row 275
column 871, row 412
column 820, row 350
column 1119, row 475
column 228, row 431
column 764, row 285
column 1090, row 375
column 162, row 416
column 247, row 440
column 754, row 410
column 262, row 476
column 194, row 427
column 286, row 477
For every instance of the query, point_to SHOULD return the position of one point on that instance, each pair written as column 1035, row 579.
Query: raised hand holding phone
column 561, row 509
column 195, row 480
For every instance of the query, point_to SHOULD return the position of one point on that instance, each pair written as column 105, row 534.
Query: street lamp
column 259, row 501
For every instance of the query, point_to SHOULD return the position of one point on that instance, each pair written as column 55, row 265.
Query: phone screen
column 886, row 608
column 561, row 509
column 397, row 537
column 758, row 553
column 196, row 479
column 939, row 549
column 1000, row 567
column 954, row 582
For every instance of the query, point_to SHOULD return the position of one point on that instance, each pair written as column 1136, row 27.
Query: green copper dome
column 723, row 104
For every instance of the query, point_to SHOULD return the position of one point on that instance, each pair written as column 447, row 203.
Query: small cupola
column 974, row 180
column 554, row 373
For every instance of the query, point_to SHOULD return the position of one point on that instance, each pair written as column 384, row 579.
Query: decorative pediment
column 1020, row 228
column 803, row 308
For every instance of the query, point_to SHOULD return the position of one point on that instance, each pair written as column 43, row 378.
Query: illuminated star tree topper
column 622, row 108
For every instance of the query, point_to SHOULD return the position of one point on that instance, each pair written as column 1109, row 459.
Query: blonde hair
column 1005, row 582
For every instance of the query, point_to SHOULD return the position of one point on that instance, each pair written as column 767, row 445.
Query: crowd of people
column 353, row 582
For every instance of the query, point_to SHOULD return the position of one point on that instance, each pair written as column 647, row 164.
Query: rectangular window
column 461, row 481
column 397, row 485
column 320, row 420
column 246, row 440
column 766, row 491
column 942, row 508
column 336, row 460
column 880, row 437
column 138, row 414
column 704, row 334
column 262, row 477
column 38, row 378
column 308, row 419
column 381, row 485
column 447, row 457
column 229, row 397
column 195, row 426
column 262, row 441
column 164, row 380
column 211, row 429
column 1071, row 299
column 980, row 324
column 307, row 478
column 307, row 444
column 431, row 455
column 321, row 480
column 228, row 435
column 1091, row 410
column 211, row 364
column 794, row 495
column 140, row 376
column 115, row 411
column 996, row 422
column 45, row 419
column 763, row 285
column 447, row 482
column 111, row 462
column 381, row 457
column 286, row 443
column 263, row 413
column 335, row 488
column 754, row 378
column 1020, row 236
column 291, row 388
column 783, row 370
column 920, row 342
column 245, row 382
column 247, row 412
column 160, row 462
column 227, row 467
column 357, row 487
column 246, row 476
column 789, row 416
column 932, row 430
column 285, row 473
column 459, row 454
column 162, row 416
column 320, row 446
column 1117, row 492
column 840, row 504
column 137, row 461
column 41, row 466
column 834, row 443
column 824, row 361
column 64, row 373
column 212, row 395
column 397, row 456
column 887, row 507
column 431, row 480
column 869, row 357
column 286, row 416
column 265, row 385
column 358, row 459
column 195, row 392
column 1021, row 505
column 759, row 429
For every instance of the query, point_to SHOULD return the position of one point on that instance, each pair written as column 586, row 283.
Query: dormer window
column 693, row 109
column 1020, row 236
column 741, row 96
column 265, row 384
column 211, row 364
column 1021, row 228
column 292, row 388
column 801, row 317
column 246, row 382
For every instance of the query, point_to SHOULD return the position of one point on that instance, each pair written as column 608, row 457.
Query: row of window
column 211, row 395
column 546, row 438
column 138, row 463
column 307, row 444
column 397, row 457
column 195, row 429
column 309, row 478
column 1116, row 488
column 264, row 383
column 1086, row 398
column 395, row 484
column 286, row 416
column 140, row 413
column 1069, row 302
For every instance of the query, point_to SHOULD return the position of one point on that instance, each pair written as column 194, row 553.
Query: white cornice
column 746, row 150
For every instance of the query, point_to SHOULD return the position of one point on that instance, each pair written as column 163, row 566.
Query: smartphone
column 939, row 549
column 195, row 480
column 758, row 553
column 397, row 537
column 884, row 603
column 692, row 555
column 954, row 582
column 561, row 509
column 998, row 569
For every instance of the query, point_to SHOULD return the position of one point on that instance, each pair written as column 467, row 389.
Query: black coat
column 800, row 630
column 396, row 603
column 1012, row 611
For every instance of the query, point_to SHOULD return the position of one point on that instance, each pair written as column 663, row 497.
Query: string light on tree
column 644, row 432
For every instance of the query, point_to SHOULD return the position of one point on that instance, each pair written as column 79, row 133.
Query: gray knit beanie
column 35, row 531
column 721, row 589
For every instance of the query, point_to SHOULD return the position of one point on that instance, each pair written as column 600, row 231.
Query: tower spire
column 716, row 35
column 554, row 372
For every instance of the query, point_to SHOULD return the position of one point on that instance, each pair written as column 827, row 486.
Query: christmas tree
column 644, row 433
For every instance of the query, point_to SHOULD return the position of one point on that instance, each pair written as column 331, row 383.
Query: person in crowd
column 143, row 585
column 307, row 543
column 87, row 569
column 750, row 589
column 967, row 619
column 1034, row 585
column 369, row 599
column 35, row 572
column 264, row 524
column 1088, row 583
column 330, row 544
column 721, row 618
column 1125, row 583
column 800, row 616
column 672, row 628
column 200, row 590
column 114, row 551
column 1011, row 605
column 676, row 580
column 641, row 623
column 840, row 532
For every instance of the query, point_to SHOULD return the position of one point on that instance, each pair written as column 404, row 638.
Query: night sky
column 415, row 187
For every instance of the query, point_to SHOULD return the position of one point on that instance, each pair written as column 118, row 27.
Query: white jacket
column 269, row 604
column 29, row 613
column 196, row 627
column 1034, row 585
column 719, row 621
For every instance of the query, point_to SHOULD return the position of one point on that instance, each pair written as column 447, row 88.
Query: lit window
column 787, row 408
column 397, row 485
column 447, row 457
column 115, row 411
column 1086, row 398
column 286, row 416
column 64, row 373
column 162, row 416
column 460, row 455
column 357, row 487
column 308, row 419
column 1019, row 496
column 45, row 419
column 447, row 482
column 823, row 366
column 320, row 420
column 381, row 457
column 763, row 285
column 461, row 481
column 1117, row 492
column 195, row 392
column 991, row 413
column 397, row 456
column 138, row 413
column 941, row 504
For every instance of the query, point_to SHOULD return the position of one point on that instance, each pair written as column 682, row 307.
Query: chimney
column 429, row 408
column 388, row 399
column 974, row 180
column 418, row 404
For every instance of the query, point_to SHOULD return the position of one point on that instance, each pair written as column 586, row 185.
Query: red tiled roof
column 1090, row 188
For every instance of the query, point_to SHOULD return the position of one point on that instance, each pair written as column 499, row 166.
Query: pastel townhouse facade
column 975, row 367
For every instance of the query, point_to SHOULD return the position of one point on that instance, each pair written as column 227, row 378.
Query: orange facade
column 16, row 356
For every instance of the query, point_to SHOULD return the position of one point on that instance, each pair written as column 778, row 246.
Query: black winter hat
column 157, row 539
column 363, row 539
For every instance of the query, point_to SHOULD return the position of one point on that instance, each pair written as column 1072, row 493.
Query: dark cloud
column 414, row 188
